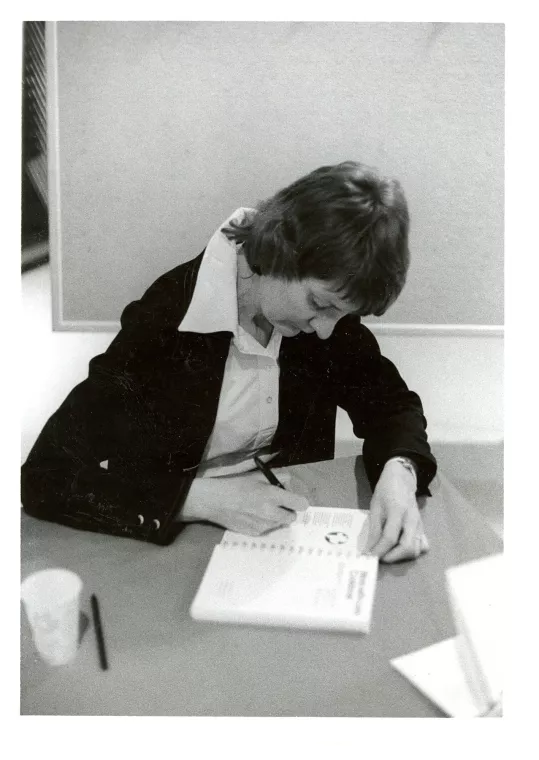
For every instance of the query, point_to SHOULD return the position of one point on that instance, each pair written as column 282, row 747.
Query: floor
column 56, row 361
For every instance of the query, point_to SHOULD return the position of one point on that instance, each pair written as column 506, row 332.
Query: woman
column 248, row 349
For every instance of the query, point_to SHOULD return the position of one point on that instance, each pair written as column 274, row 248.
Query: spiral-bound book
column 312, row 574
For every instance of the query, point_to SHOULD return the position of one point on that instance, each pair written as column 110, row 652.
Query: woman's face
column 308, row 306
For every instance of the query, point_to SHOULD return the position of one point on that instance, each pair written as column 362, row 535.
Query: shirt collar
column 214, row 305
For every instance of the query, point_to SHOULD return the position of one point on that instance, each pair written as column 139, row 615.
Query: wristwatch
column 407, row 464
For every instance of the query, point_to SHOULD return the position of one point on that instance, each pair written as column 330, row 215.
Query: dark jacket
column 150, row 401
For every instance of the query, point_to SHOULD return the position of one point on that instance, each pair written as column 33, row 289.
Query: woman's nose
column 324, row 326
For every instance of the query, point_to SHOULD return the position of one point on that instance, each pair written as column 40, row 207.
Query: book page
column 287, row 587
column 343, row 530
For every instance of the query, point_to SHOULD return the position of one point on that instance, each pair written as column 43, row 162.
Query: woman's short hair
column 343, row 224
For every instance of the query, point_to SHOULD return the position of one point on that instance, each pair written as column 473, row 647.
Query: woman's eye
column 317, row 306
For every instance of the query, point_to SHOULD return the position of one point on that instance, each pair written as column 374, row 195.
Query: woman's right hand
column 245, row 504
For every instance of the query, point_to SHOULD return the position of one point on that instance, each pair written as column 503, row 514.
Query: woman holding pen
column 247, row 350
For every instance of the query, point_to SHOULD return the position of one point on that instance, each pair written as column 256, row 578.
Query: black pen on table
column 265, row 470
column 99, row 633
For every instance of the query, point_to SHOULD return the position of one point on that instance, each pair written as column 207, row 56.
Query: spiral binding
column 276, row 548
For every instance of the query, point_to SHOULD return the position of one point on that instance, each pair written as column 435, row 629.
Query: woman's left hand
column 395, row 526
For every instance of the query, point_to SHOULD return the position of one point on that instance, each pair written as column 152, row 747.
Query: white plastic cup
column 52, row 599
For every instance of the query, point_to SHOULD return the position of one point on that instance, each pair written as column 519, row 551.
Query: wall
column 160, row 129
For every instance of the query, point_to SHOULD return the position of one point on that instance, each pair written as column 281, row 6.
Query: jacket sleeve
column 64, row 478
column 384, row 412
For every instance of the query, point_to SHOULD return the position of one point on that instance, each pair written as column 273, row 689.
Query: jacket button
column 140, row 519
column 157, row 524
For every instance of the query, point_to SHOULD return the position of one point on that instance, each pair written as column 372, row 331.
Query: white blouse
column 248, row 410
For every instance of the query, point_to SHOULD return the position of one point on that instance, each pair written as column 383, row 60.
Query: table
column 164, row 663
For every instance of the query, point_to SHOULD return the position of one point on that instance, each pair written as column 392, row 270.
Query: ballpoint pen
column 100, row 639
column 263, row 467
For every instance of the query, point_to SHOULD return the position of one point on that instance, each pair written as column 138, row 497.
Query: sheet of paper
column 343, row 530
column 477, row 592
column 436, row 672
